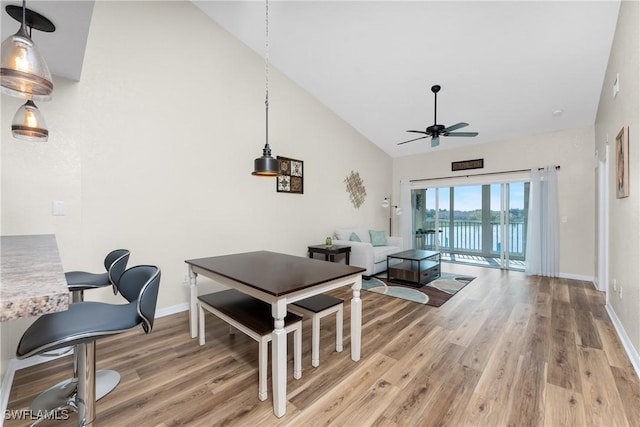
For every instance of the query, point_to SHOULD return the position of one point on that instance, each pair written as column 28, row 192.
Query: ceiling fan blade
column 456, row 126
column 418, row 131
column 435, row 141
column 461, row 134
column 414, row 139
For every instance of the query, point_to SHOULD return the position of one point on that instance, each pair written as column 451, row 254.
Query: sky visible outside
column 469, row 197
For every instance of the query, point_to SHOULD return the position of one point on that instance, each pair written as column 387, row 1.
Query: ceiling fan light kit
column 436, row 130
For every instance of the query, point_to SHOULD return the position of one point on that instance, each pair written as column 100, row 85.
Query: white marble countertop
column 32, row 279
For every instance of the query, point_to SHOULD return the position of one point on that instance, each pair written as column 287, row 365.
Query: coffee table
column 414, row 267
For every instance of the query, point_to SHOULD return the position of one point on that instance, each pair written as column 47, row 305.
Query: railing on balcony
column 466, row 237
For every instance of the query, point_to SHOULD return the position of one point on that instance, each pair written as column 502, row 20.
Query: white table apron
column 279, row 311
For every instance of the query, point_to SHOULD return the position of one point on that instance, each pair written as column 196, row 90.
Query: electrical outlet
column 616, row 85
column 620, row 291
column 615, row 285
column 185, row 278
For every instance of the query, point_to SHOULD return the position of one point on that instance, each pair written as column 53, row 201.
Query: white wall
column 153, row 149
column 624, row 214
column 571, row 149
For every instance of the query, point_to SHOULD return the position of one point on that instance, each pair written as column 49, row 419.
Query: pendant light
column 23, row 71
column 266, row 165
column 29, row 124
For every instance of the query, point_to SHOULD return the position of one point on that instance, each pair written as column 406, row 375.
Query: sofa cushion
column 354, row 238
column 377, row 238
column 345, row 234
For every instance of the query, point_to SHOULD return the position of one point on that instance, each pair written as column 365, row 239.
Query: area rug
column 434, row 293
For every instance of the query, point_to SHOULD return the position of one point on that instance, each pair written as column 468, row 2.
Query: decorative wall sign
column 622, row 163
column 467, row 164
column 290, row 176
column 355, row 188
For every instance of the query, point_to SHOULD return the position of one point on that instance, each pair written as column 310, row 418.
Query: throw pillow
column 378, row 238
column 354, row 237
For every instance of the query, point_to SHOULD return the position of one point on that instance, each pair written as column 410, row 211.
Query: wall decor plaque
column 355, row 188
column 467, row 164
column 290, row 176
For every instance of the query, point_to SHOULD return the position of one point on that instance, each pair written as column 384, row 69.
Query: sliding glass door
column 481, row 224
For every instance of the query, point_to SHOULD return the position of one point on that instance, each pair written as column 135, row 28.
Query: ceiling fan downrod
column 435, row 89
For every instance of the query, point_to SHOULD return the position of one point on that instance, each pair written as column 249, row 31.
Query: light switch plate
column 58, row 208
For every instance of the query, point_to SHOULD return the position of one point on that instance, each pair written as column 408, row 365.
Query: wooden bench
column 253, row 317
column 317, row 307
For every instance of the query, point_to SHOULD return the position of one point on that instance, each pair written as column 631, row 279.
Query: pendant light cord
column 266, row 61
column 24, row 18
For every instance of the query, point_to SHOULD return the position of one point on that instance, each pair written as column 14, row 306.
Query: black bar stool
column 115, row 263
column 86, row 322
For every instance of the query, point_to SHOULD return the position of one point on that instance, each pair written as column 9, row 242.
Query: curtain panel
column 543, row 225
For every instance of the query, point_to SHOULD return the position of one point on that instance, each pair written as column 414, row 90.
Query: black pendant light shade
column 265, row 165
column 29, row 124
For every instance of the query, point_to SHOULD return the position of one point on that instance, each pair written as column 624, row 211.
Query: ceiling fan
column 436, row 130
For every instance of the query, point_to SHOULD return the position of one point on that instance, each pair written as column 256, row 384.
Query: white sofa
column 363, row 253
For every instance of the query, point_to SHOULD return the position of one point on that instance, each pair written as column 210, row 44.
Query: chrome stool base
column 59, row 395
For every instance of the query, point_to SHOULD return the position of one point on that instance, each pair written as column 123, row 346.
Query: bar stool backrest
column 116, row 263
column 141, row 284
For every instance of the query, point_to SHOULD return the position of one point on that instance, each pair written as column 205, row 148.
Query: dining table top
column 274, row 273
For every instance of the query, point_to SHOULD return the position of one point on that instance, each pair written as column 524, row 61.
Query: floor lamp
column 386, row 203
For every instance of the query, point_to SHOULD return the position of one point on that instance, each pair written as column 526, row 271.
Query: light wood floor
column 506, row 350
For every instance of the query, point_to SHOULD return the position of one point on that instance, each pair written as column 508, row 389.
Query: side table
column 330, row 252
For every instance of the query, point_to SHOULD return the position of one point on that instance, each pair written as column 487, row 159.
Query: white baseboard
column 626, row 342
column 168, row 311
column 577, row 277
column 7, row 380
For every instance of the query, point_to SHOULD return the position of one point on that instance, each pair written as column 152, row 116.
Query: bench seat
column 253, row 317
column 317, row 307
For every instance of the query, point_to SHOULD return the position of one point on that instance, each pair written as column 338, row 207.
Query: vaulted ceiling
column 505, row 67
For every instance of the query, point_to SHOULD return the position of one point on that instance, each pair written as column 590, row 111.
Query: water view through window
column 482, row 223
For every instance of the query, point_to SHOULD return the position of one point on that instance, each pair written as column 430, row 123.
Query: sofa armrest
column 361, row 254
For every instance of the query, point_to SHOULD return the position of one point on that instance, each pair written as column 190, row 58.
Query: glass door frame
column 504, row 254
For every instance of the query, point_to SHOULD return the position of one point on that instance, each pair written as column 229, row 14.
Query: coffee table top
column 414, row 254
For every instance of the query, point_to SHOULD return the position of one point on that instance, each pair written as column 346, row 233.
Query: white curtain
column 406, row 227
column 542, row 227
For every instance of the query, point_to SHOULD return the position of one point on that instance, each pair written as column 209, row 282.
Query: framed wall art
column 622, row 163
column 290, row 177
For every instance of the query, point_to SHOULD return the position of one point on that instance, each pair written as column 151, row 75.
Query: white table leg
column 356, row 320
column 193, row 306
column 279, row 358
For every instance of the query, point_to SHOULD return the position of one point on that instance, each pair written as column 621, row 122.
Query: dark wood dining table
column 278, row 279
